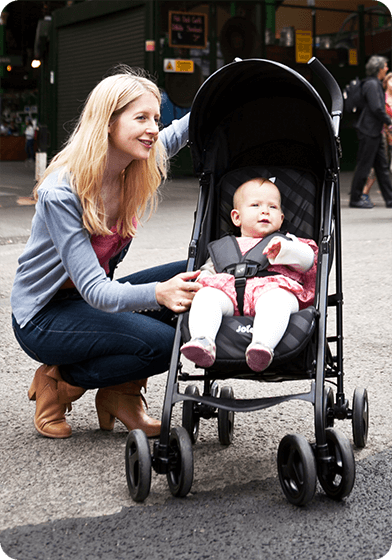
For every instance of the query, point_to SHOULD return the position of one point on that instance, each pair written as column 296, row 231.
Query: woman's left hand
column 178, row 292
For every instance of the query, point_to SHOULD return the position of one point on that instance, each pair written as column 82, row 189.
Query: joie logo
column 244, row 330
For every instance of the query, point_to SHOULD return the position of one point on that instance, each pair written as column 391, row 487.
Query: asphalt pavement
column 69, row 498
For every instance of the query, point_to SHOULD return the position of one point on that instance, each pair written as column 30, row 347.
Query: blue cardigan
column 59, row 247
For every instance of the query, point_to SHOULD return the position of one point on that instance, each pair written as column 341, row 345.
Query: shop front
column 181, row 43
column 18, row 107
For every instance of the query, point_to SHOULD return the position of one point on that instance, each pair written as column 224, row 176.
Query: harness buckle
column 245, row 270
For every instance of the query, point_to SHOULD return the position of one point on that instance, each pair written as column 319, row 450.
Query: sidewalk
column 46, row 480
column 17, row 180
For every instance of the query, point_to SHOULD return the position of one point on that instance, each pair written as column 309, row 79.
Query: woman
column 68, row 312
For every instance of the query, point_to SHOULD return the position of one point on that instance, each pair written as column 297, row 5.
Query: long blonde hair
column 84, row 155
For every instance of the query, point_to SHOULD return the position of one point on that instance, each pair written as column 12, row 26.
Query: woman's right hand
column 178, row 292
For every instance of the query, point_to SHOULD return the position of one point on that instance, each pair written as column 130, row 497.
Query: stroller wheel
column 360, row 417
column 337, row 477
column 297, row 469
column 226, row 418
column 190, row 418
column 138, row 465
column 328, row 407
column 180, row 473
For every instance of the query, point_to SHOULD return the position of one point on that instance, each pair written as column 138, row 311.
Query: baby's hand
column 273, row 248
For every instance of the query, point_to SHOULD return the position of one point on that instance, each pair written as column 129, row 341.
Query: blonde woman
column 88, row 330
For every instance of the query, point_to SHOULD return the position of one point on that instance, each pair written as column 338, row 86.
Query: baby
column 272, row 299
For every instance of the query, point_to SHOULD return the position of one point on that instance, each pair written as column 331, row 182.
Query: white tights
column 273, row 310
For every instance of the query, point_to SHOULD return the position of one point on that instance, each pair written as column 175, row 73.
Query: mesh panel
column 299, row 198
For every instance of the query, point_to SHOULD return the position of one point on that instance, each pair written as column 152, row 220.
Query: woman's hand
column 178, row 292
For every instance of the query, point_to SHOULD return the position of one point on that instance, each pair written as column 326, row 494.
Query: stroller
column 259, row 118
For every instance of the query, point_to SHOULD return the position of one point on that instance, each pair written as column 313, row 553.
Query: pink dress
column 301, row 284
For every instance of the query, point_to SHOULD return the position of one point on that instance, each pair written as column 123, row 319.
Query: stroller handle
column 330, row 83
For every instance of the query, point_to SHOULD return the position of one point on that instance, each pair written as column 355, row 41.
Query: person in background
column 387, row 137
column 29, row 146
column 370, row 124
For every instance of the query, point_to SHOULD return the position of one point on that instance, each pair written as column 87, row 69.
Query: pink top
column 302, row 285
column 108, row 246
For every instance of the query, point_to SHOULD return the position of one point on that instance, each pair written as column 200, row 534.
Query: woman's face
column 134, row 133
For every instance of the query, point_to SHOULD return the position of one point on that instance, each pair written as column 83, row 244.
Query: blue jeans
column 97, row 349
column 29, row 147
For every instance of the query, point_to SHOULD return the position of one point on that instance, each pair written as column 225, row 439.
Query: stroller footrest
column 245, row 405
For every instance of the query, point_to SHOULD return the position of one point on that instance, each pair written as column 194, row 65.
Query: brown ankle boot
column 125, row 402
column 54, row 397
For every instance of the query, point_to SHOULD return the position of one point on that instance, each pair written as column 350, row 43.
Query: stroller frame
column 330, row 458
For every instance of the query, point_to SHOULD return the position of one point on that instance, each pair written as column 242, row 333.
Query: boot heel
column 32, row 392
column 105, row 419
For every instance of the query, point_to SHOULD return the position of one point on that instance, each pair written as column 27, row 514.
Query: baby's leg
column 205, row 317
column 208, row 307
column 272, row 315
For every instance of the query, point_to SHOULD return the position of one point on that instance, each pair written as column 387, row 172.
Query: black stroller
column 257, row 118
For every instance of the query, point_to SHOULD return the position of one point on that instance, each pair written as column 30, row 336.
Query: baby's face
column 258, row 212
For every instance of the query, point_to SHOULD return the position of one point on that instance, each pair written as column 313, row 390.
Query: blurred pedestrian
column 29, row 146
column 371, row 152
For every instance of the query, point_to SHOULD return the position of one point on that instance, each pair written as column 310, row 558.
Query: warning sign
column 353, row 57
column 176, row 65
column 303, row 46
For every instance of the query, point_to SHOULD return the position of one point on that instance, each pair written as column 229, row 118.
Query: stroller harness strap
column 227, row 257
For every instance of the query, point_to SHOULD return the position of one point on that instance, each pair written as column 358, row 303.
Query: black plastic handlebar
column 330, row 83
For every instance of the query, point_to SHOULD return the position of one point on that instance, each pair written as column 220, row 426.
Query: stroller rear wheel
column 138, row 465
column 226, row 418
column 338, row 476
column 180, row 473
column 360, row 417
column 190, row 418
column 297, row 469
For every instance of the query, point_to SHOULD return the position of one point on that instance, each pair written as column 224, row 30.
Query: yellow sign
column 303, row 46
column 353, row 57
column 176, row 65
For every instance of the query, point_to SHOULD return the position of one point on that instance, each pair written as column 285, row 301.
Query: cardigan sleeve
column 175, row 136
column 63, row 221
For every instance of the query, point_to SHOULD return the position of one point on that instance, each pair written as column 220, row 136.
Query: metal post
column 212, row 37
column 361, row 38
column 149, row 35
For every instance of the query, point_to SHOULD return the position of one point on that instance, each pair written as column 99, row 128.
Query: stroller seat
column 292, row 357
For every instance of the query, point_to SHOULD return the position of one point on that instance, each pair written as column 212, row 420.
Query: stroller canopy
column 260, row 112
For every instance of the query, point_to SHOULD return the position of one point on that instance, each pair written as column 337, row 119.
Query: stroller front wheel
column 226, row 418
column 338, row 476
column 190, row 418
column 138, row 465
column 297, row 469
column 180, row 473
column 360, row 417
